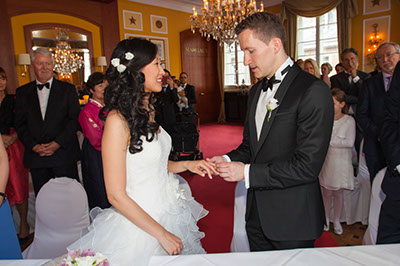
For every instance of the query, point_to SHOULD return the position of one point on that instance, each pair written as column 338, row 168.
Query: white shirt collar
column 278, row 73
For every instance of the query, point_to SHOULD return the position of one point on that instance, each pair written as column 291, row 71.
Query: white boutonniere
column 272, row 104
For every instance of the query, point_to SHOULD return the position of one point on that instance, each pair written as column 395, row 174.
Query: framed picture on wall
column 375, row 32
column 374, row 6
column 132, row 20
column 162, row 44
column 161, row 47
column 158, row 24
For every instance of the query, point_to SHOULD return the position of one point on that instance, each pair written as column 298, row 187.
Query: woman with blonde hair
column 311, row 67
column 326, row 68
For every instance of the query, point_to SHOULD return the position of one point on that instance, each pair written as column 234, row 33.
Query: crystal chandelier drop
column 65, row 60
column 220, row 18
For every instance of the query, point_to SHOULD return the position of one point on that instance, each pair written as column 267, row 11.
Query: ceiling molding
column 187, row 5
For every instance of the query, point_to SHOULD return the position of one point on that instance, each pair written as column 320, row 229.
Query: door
column 199, row 60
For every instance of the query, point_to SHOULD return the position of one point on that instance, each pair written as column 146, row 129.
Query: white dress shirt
column 261, row 110
column 43, row 96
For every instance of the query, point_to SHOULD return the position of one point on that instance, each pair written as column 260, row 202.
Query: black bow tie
column 40, row 86
column 268, row 83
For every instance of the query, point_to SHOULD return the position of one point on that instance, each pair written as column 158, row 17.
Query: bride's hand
column 202, row 167
column 171, row 243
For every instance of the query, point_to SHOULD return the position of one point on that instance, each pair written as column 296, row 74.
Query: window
column 236, row 73
column 317, row 38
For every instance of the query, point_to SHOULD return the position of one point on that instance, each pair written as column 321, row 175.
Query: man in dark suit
column 389, row 218
column 46, row 117
column 370, row 108
column 351, row 79
column 165, row 107
column 285, row 139
column 190, row 92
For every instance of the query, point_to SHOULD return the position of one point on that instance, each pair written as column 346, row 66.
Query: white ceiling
column 187, row 5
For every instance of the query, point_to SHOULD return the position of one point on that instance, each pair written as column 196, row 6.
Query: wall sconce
column 374, row 41
column 101, row 61
column 24, row 60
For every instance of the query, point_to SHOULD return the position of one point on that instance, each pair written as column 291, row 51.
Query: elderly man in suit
column 285, row 139
column 190, row 92
column 46, row 115
column 370, row 110
column 389, row 218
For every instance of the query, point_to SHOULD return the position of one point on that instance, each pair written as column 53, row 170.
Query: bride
column 151, row 215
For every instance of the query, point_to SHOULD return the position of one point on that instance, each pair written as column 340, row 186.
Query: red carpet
column 218, row 196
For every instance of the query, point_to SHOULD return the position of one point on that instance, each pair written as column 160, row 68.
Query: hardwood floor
column 352, row 234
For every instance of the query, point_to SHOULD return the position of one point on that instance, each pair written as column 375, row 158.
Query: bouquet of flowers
column 86, row 258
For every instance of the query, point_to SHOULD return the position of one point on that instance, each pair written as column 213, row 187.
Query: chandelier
column 65, row 60
column 220, row 18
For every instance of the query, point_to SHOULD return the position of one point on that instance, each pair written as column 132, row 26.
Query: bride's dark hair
column 125, row 92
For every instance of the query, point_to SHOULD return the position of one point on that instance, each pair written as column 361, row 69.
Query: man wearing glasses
column 370, row 109
column 190, row 92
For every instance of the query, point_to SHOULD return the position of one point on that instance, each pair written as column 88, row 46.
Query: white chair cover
column 240, row 242
column 62, row 215
column 377, row 198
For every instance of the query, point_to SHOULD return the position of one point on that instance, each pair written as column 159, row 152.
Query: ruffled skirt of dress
column 123, row 243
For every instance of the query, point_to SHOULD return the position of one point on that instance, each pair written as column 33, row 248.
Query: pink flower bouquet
column 86, row 258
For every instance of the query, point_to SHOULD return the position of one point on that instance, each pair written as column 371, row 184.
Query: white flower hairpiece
column 116, row 62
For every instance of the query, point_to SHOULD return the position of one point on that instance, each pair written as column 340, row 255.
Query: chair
column 62, row 216
column 240, row 242
column 377, row 198
column 9, row 245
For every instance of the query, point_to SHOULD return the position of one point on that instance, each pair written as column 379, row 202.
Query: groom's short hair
column 265, row 25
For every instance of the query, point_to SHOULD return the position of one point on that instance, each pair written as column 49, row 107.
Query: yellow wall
column 18, row 22
column 177, row 21
column 357, row 25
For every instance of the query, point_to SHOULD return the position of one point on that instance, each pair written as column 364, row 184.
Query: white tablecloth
column 355, row 255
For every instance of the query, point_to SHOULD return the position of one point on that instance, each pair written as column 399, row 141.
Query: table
column 355, row 255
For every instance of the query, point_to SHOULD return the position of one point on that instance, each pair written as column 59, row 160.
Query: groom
column 284, row 144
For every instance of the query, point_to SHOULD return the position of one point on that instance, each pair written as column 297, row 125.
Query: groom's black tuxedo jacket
column 60, row 124
column 288, row 157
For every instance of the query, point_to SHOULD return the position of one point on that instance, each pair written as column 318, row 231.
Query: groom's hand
column 232, row 171
column 216, row 159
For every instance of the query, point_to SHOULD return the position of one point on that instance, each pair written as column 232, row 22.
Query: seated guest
column 311, row 67
column 9, row 246
column 389, row 218
column 370, row 111
column 339, row 68
column 326, row 68
column 92, row 129
column 17, row 190
column 339, row 156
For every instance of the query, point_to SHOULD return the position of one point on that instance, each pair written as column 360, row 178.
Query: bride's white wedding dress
column 150, row 185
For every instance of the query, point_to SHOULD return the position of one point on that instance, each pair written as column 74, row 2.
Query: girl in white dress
column 337, row 172
column 151, row 215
